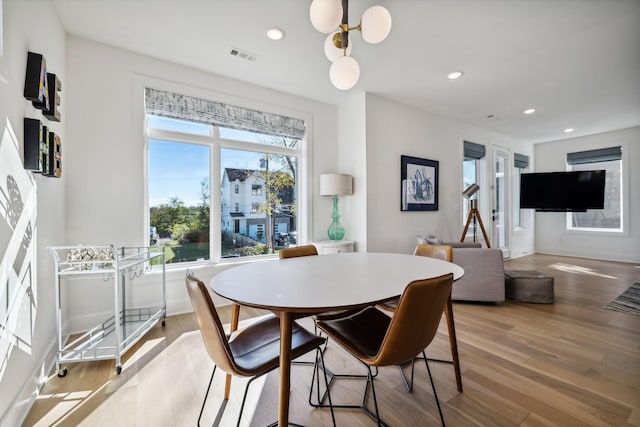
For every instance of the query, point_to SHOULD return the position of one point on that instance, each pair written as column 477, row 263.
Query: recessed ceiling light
column 529, row 111
column 275, row 34
column 455, row 75
column 568, row 130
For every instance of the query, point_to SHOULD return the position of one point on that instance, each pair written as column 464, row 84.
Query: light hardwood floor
column 571, row 363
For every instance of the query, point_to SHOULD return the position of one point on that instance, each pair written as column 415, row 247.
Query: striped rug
column 628, row 301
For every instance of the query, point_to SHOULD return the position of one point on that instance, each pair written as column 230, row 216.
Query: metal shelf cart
column 116, row 335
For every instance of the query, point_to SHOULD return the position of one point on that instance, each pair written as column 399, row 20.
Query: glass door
column 500, row 200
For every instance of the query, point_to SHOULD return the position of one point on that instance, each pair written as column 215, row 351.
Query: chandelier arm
column 345, row 24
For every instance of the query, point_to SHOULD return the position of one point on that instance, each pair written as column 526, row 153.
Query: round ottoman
column 528, row 286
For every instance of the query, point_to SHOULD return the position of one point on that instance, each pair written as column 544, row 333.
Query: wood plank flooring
column 571, row 363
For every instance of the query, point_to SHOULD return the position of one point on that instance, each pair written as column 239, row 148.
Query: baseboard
column 604, row 256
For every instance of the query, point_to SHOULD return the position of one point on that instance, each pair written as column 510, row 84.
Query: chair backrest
column 304, row 250
column 213, row 334
column 443, row 252
column 421, row 303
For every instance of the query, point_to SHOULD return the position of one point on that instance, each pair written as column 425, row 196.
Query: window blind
column 182, row 107
column 473, row 150
column 594, row 156
column 520, row 161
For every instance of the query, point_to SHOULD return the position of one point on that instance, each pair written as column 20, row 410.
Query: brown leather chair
column 296, row 251
column 445, row 253
column 378, row 340
column 249, row 352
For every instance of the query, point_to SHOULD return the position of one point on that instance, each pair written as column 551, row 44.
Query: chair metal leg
column 433, row 386
column 204, row 402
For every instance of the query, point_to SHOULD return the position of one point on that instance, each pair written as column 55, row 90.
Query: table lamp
column 336, row 184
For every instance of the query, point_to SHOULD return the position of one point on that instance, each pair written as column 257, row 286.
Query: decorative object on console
column 329, row 17
column 474, row 214
column 419, row 184
column 335, row 185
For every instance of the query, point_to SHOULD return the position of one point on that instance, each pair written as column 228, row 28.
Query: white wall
column 352, row 159
column 551, row 234
column 105, row 153
column 395, row 129
column 31, row 26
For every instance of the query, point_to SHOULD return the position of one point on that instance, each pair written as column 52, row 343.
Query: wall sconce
column 327, row 16
column 335, row 185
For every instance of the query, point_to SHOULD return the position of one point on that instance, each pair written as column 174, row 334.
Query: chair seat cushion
column 528, row 286
column 361, row 333
column 256, row 349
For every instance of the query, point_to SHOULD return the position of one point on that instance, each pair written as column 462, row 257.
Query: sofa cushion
column 483, row 278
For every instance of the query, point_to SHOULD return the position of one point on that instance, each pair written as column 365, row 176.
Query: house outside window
column 609, row 219
column 261, row 165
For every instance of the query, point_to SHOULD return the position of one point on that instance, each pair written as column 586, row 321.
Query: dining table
column 297, row 287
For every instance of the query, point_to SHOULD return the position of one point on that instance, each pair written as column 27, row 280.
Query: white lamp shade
column 332, row 51
column 325, row 15
column 376, row 24
column 336, row 184
column 344, row 73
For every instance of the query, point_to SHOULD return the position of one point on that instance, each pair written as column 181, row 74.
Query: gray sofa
column 483, row 278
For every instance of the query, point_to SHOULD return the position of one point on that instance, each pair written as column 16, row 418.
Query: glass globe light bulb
column 344, row 73
column 376, row 24
column 331, row 51
column 325, row 15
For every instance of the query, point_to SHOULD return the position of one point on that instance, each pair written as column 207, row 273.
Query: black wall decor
column 42, row 148
column 36, row 85
column 54, row 87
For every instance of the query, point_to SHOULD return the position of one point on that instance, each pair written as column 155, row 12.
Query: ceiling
column 576, row 61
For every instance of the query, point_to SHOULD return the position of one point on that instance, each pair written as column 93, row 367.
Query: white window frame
column 624, row 198
column 303, row 153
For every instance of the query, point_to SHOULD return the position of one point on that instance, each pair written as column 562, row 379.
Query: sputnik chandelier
column 331, row 17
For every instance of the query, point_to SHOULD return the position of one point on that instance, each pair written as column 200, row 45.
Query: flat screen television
column 574, row 191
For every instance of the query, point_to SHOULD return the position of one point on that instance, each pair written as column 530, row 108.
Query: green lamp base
column 336, row 230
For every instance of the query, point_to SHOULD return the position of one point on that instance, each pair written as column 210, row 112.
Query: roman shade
column 473, row 150
column 520, row 161
column 594, row 156
column 183, row 107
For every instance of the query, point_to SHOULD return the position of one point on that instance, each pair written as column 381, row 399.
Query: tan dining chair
column 444, row 253
column 249, row 352
column 297, row 251
column 378, row 340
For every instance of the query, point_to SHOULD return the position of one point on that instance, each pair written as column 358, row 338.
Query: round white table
column 316, row 284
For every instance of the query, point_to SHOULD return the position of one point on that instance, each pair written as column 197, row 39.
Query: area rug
column 628, row 301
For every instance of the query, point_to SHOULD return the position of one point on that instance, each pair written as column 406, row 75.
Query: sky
column 178, row 169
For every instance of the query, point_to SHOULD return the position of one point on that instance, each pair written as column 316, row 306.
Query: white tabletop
column 320, row 283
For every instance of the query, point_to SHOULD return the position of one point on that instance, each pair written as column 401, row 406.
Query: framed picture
column 419, row 184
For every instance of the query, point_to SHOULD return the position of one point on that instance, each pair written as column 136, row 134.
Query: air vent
column 243, row 54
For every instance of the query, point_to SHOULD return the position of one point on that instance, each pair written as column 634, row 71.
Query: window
column 470, row 169
column 521, row 217
column 259, row 161
column 179, row 198
column 608, row 219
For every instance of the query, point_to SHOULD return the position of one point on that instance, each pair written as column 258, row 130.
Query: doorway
column 500, row 202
